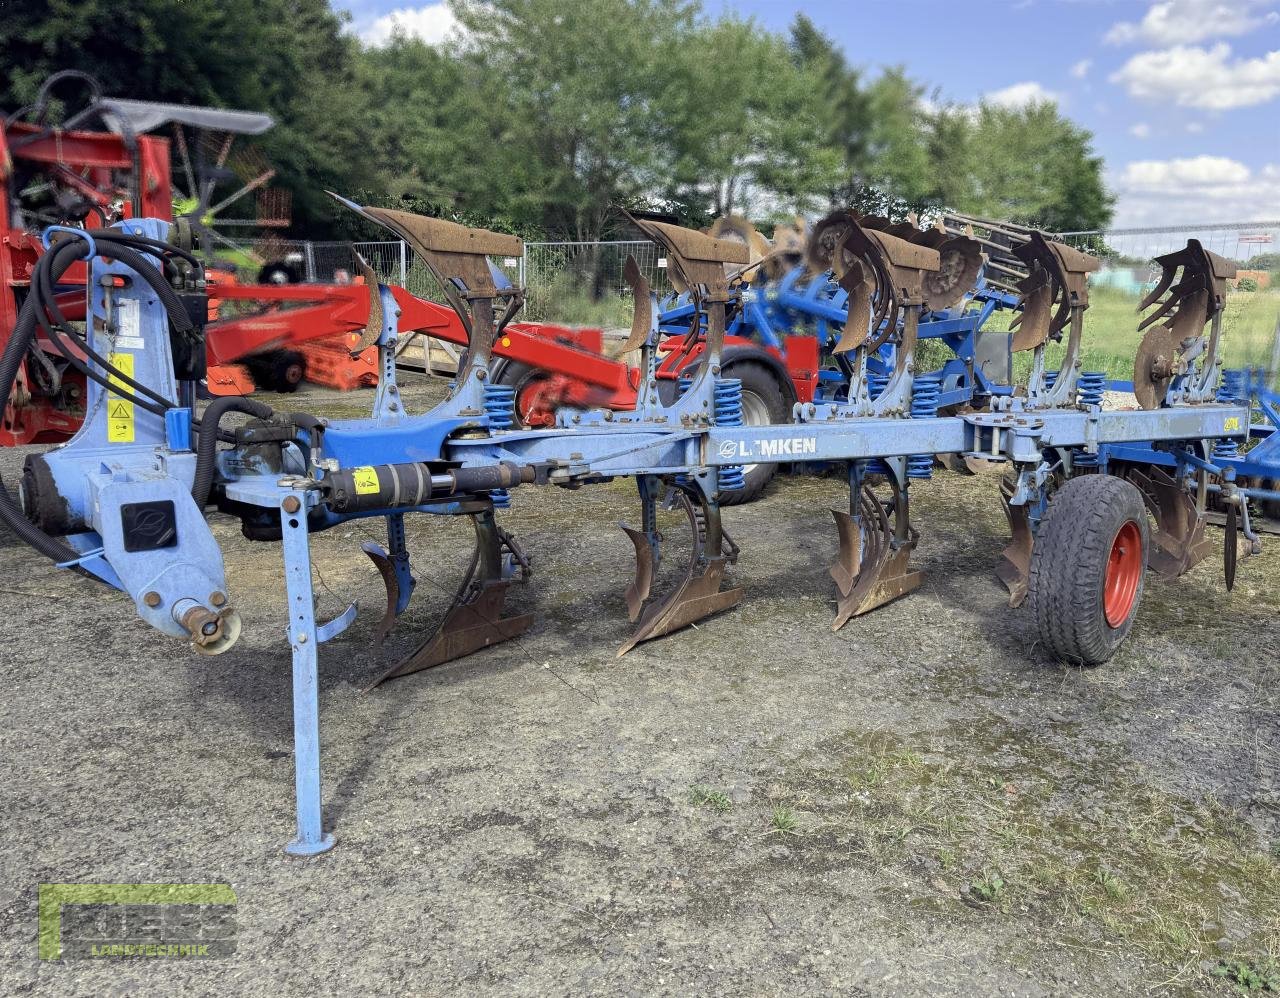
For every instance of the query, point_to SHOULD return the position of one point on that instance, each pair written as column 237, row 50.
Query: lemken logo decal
column 786, row 447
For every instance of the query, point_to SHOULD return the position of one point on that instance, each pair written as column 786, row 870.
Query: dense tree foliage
column 552, row 114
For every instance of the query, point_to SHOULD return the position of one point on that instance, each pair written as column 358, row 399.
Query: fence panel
column 1127, row 253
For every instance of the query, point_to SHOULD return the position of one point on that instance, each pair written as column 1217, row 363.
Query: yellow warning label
column 506, row 341
column 120, row 412
column 1232, row 424
column 366, row 480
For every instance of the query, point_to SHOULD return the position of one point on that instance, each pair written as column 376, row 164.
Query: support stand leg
column 311, row 838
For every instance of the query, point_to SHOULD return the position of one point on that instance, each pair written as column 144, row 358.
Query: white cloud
column 1081, row 69
column 433, row 23
column 1181, row 22
column 1140, row 131
column 1191, row 76
column 1198, row 189
column 1020, row 95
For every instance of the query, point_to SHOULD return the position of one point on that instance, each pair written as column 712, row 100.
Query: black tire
column 1069, row 567
column 288, row 371
column 763, row 403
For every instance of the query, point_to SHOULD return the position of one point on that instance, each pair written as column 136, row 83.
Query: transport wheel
column 1087, row 568
column 762, row 404
column 289, row 371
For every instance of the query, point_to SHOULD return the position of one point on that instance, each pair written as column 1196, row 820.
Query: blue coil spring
column 925, row 391
column 876, row 384
column 1089, row 391
column 1050, row 379
column 1090, row 387
column 500, row 407
column 1234, row 387
column 729, row 413
column 683, row 384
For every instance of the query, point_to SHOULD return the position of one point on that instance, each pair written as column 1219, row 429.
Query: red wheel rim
column 1124, row 572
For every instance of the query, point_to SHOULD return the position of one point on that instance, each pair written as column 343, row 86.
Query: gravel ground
column 920, row 803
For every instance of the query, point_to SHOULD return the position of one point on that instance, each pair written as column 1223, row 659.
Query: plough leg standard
column 125, row 499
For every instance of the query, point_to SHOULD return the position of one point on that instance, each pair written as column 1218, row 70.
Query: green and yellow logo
column 149, row 921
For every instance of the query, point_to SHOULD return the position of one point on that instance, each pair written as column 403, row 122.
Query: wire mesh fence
column 572, row 282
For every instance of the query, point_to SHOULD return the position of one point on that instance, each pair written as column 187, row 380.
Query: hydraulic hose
column 207, row 439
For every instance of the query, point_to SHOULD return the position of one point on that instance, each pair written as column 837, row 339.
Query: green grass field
column 1250, row 326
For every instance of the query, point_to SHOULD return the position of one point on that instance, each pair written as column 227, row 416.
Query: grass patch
column 1250, row 976
column 1094, row 855
column 783, row 820
column 715, row 800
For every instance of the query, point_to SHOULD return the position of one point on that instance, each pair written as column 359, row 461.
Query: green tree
column 746, row 126
column 1028, row 165
column 580, row 85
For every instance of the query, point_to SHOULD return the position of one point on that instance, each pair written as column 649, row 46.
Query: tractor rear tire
column 763, row 404
column 1087, row 568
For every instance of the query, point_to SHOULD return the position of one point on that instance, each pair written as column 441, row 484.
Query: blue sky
column 1183, row 96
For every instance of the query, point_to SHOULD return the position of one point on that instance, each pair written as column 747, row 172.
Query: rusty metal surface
column 1014, row 567
column 642, row 306
column 960, row 260
column 1179, row 542
column 695, row 260
column 1155, row 365
column 883, row 266
column 1231, row 545
column 698, row 596
column 373, row 326
column 882, row 561
column 1189, row 294
column 452, row 252
column 642, row 584
column 386, row 568
column 1054, row 291
column 472, row 625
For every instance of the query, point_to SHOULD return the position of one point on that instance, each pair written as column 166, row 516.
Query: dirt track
column 919, row 803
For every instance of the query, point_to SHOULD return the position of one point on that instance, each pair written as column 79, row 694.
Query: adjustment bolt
column 291, row 504
column 152, row 599
column 218, row 598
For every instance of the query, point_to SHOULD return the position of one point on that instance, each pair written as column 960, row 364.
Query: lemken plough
column 125, row 500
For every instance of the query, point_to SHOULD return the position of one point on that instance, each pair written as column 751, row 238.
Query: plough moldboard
column 125, row 500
